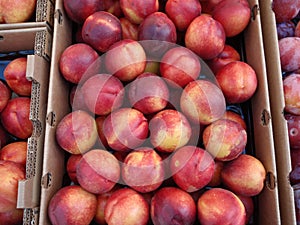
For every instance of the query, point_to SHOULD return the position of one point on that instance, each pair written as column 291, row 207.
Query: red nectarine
column 225, row 139
column 171, row 205
column 205, row 36
column 202, row 102
column 125, row 59
column 136, row 11
column 15, row 117
column 169, row 130
column 127, row 207
column 125, row 129
column 192, row 168
column 143, row 170
column 76, row 132
column 148, row 93
column 219, row 206
column 15, row 76
column 72, row 205
column 244, row 175
column 102, row 93
column 78, row 62
column 98, row 171
column 101, row 29
column 5, row 95
column 11, row 173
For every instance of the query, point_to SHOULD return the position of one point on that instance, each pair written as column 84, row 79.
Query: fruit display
column 157, row 120
column 287, row 19
column 16, row 128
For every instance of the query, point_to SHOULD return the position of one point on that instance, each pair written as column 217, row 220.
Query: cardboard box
column 43, row 15
column 261, row 133
column 280, row 130
column 35, row 44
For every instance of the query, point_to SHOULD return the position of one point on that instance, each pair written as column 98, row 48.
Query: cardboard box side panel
column 260, row 101
column 286, row 196
column 29, row 190
column 40, row 79
column 58, row 106
column 35, row 38
column 8, row 39
column 268, row 202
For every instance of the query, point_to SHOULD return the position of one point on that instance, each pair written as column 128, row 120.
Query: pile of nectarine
column 288, row 33
column 15, row 128
column 150, row 137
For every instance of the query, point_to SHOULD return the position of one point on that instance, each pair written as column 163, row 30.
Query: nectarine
column 72, row 205
column 76, row 132
column 98, row 171
column 15, row 76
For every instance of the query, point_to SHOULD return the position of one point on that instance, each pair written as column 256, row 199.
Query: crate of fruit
column 280, row 22
column 22, row 14
column 158, row 113
column 24, row 73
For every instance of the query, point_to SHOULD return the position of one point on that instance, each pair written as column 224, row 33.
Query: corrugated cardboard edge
column 58, row 98
column 286, row 195
column 43, row 14
column 29, row 189
column 22, row 25
column 45, row 11
column 38, row 39
column 268, row 202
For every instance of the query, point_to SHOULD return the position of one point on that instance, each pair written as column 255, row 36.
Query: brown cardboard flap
column 38, row 71
column 280, row 130
column 29, row 189
column 38, row 39
column 261, row 112
column 26, row 196
column 36, row 67
column 8, row 39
